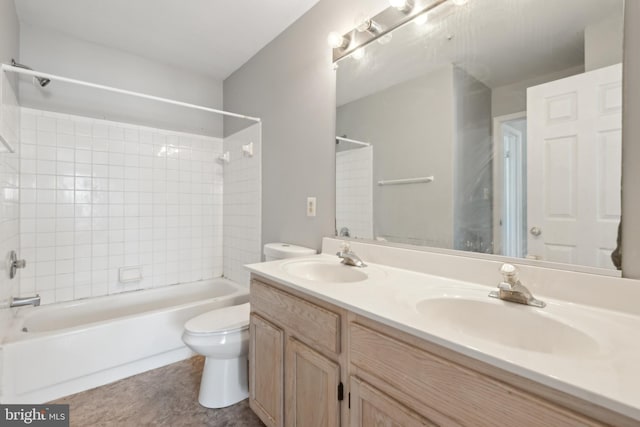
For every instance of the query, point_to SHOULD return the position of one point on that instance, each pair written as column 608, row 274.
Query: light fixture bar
column 370, row 26
column 388, row 20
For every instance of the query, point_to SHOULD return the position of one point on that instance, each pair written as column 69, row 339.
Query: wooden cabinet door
column 311, row 388
column 372, row 408
column 266, row 357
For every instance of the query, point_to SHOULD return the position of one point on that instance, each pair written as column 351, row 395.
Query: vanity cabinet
column 315, row 364
column 266, row 363
column 446, row 392
column 371, row 407
column 294, row 359
column 311, row 382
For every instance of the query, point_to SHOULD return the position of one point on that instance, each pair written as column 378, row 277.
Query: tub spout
column 19, row 302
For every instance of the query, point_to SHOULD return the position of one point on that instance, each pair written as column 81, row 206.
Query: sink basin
column 508, row 324
column 324, row 271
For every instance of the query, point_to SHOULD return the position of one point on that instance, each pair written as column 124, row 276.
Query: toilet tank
column 276, row 251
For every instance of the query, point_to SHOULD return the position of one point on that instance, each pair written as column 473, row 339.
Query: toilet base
column 224, row 382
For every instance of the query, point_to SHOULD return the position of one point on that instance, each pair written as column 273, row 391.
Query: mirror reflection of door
column 514, row 205
column 510, row 185
column 574, row 154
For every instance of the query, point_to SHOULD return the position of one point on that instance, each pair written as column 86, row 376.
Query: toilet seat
column 222, row 337
column 220, row 321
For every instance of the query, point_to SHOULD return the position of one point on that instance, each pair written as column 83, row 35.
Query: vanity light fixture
column 379, row 27
column 370, row 26
column 402, row 5
column 337, row 41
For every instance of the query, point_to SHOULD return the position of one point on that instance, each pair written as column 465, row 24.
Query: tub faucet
column 19, row 302
column 510, row 289
column 349, row 257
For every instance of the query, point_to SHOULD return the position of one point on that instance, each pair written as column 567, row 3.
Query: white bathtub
column 61, row 349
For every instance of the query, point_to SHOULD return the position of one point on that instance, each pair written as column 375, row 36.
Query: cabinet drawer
column 306, row 320
column 460, row 393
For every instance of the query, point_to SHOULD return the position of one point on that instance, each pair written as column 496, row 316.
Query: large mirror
column 493, row 127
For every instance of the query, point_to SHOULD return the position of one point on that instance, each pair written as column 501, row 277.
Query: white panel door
column 574, row 167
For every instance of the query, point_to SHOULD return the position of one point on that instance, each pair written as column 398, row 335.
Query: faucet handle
column 13, row 264
column 345, row 247
column 509, row 272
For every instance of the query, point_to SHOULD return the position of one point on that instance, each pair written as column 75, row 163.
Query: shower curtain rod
column 353, row 141
column 54, row 78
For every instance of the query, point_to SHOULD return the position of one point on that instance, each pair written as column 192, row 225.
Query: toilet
column 222, row 336
column 276, row 251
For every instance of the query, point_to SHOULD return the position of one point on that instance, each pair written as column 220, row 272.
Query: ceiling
column 212, row 37
column 499, row 42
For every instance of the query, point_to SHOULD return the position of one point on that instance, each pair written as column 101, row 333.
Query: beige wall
column 9, row 32
column 473, row 165
column 603, row 43
column 512, row 98
column 411, row 127
column 631, row 146
column 290, row 84
column 602, row 47
column 67, row 56
column 9, row 163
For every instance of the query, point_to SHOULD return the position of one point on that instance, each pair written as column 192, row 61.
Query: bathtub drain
column 25, row 329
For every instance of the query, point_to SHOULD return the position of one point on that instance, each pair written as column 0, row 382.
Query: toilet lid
column 221, row 320
column 285, row 250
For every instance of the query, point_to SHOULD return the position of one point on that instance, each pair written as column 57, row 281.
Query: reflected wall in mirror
column 494, row 127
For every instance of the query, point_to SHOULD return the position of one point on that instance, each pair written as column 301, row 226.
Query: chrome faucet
column 349, row 257
column 20, row 302
column 344, row 232
column 510, row 289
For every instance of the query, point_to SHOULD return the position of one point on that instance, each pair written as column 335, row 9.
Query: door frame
column 498, row 167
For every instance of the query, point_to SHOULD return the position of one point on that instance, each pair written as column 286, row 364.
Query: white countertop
column 608, row 376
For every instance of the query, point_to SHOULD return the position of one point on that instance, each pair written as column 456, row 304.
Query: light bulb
column 459, row 2
column 358, row 54
column 402, row 5
column 335, row 40
column 421, row 19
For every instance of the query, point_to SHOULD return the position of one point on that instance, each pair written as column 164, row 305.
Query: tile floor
column 167, row 396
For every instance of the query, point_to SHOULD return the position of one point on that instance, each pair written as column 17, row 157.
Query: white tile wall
column 242, row 208
column 99, row 195
column 9, row 189
column 354, row 191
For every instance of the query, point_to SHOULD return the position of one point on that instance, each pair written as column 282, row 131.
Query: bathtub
column 60, row 349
